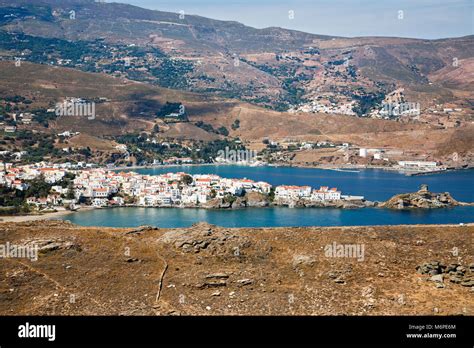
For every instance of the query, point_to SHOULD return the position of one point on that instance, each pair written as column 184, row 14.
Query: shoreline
column 338, row 205
column 59, row 214
column 357, row 167
column 342, row 168
column 41, row 217
column 323, row 227
column 165, row 166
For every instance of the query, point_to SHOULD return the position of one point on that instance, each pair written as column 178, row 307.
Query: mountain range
column 277, row 83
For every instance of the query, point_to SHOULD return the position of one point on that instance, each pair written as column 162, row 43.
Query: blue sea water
column 373, row 184
column 267, row 217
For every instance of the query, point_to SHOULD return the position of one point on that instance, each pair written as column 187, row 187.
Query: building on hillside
column 101, row 192
column 10, row 129
column 100, row 202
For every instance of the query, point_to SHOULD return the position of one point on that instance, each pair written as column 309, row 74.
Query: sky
column 429, row 19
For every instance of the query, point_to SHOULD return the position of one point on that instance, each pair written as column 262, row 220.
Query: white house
column 100, row 202
column 326, row 194
column 10, row 129
column 292, row 191
column 101, row 192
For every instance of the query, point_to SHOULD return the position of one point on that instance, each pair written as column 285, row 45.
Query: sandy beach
column 45, row 216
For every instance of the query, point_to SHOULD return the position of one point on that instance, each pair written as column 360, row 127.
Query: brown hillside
column 197, row 271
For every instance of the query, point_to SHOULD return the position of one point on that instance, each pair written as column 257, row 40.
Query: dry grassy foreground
column 209, row 270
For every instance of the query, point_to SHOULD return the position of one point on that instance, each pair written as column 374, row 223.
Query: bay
column 373, row 184
column 268, row 217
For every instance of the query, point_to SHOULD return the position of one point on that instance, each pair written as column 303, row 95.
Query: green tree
column 222, row 130
column 70, row 191
column 38, row 187
column 187, row 180
column 235, row 125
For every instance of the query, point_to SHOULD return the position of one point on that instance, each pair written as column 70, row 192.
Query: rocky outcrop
column 49, row 245
column 260, row 200
column 250, row 199
column 454, row 272
column 423, row 199
column 203, row 237
column 341, row 204
column 255, row 199
column 303, row 260
column 141, row 229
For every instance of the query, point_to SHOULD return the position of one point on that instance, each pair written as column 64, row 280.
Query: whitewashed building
column 326, row 194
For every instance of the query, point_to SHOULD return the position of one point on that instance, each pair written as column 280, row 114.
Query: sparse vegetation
column 235, row 125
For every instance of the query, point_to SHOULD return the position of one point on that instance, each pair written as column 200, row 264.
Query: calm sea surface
column 373, row 184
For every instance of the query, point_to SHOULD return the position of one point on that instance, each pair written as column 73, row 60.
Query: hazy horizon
column 427, row 19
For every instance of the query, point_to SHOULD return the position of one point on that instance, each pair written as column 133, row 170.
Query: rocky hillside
column 422, row 199
column 209, row 270
column 227, row 77
column 274, row 67
column 131, row 107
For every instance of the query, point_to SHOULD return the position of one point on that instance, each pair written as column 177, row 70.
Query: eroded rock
column 205, row 237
